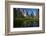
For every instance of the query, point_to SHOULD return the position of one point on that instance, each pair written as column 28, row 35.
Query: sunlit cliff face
column 34, row 13
column 27, row 12
column 23, row 12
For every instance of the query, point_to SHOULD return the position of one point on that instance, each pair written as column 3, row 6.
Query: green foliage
column 20, row 20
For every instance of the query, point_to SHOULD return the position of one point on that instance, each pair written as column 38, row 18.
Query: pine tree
column 32, row 14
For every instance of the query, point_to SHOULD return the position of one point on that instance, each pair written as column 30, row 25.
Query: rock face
column 24, row 12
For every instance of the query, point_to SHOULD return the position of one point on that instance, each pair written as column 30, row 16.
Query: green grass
column 28, row 18
column 20, row 21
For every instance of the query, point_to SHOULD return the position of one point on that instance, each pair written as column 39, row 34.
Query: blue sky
column 30, row 10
